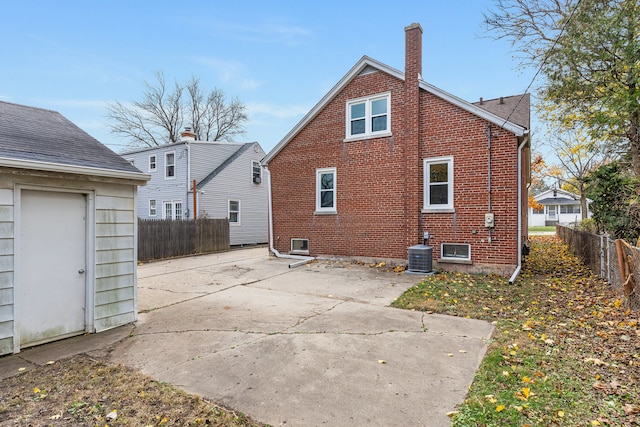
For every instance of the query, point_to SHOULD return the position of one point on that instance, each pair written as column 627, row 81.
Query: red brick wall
column 380, row 182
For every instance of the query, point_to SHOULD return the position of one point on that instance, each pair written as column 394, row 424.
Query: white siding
column 235, row 183
column 207, row 156
column 158, row 188
column 6, row 271
column 115, row 301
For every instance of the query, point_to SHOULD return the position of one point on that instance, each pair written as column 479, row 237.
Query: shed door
column 52, row 263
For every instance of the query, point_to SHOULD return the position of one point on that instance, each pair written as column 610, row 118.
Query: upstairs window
column 438, row 183
column 256, row 172
column 369, row 117
column 170, row 165
column 152, row 163
column 326, row 190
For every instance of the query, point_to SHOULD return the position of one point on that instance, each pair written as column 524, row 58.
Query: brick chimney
column 411, row 125
column 413, row 52
column 187, row 135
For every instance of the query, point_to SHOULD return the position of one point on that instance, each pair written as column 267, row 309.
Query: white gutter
column 302, row 260
column 78, row 170
column 519, row 266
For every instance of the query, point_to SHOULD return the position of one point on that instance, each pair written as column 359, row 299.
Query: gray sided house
column 67, row 230
column 228, row 184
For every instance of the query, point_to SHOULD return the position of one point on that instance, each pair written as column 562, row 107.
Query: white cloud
column 266, row 33
column 278, row 111
column 230, row 71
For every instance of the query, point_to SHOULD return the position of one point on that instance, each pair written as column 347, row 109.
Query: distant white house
column 558, row 207
column 226, row 176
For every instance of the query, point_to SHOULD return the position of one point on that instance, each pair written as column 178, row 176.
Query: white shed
column 68, row 236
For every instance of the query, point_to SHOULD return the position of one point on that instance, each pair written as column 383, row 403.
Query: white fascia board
column 353, row 72
column 480, row 112
column 72, row 169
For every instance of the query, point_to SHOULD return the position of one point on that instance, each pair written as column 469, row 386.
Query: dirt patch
column 84, row 391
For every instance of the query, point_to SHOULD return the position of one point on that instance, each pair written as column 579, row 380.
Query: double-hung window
column 152, row 208
column 326, row 190
column 256, row 172
column 152, row 163
column 369, row 117
column 170, row 165
column 438, row 184
column 234, row 212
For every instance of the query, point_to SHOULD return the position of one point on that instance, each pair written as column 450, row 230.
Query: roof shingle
column 36, row 134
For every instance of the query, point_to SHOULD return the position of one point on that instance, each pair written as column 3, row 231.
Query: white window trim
column 260, row 168
column 459, row 260
column 427, row 207
column 172, row 203
column 155, row 208
column 367, row 118
column 334, row 209
column 155, row 163
column 234, row 224
column 166, row 165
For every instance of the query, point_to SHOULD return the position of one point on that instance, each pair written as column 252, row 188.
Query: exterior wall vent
column 420, row 259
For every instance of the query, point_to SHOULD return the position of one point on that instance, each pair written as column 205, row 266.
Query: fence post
column 625, row 275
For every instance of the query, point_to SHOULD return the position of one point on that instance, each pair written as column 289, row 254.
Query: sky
column 277, row 57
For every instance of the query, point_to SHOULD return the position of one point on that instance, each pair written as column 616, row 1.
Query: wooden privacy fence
column 616, row 261
column 158, row 239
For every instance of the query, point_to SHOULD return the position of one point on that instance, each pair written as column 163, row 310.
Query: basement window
column 300, row 246
column 455, row 252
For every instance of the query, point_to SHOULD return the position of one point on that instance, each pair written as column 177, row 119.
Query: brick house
column 385, row 157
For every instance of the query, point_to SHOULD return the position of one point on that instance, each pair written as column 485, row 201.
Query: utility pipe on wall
column 520, row 243
column 301, row 258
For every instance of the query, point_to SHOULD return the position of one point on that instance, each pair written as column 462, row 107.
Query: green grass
column 564, row 351
column 542, row 228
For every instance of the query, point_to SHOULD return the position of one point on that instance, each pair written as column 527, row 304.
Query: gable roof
column 557, row 196
column 224, row 164
column 366, row 65
column 515, row 108
column 39, row 139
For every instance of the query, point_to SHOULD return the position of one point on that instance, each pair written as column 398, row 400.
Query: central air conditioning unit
column 420, row 259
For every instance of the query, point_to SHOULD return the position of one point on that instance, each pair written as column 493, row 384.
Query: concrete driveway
column 315, row 345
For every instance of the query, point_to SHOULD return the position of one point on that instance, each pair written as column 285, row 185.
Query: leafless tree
column 164, row 111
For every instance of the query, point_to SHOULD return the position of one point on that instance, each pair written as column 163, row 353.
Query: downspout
column 519, row 266
column 489, row 177
column 302, row 260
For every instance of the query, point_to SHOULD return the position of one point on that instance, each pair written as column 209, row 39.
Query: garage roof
column 35, row 138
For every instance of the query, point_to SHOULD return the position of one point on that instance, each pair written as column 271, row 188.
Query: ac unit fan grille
column 420, row 259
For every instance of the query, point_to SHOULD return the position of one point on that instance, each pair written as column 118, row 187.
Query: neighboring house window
column 369, row 116
column 570, row 209
column 234, row 212
column 152, row 163
column 172, row 209
column 438, row 183
column 256, row 172
column 170, row 165
column 453, row 251
column 538, row 211
column 326, row 190
column 152, row 208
